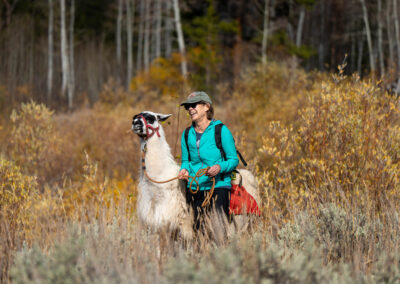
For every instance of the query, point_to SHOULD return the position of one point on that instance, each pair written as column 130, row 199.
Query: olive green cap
column 197, row 97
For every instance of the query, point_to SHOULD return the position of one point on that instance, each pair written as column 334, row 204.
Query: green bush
column 338, row 233
column 255, row 261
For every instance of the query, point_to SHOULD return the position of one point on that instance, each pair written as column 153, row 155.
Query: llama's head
column 146, row 123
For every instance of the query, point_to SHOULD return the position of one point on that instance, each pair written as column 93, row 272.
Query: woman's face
column 197, row 111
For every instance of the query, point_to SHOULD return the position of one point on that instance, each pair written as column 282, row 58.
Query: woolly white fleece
column 162, row 205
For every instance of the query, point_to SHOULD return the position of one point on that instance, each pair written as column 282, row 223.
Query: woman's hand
column 183, row 174
column 213, row 171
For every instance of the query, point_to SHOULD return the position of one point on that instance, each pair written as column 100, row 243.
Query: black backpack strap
column 241, row 158
column 187, row 141
column 218, row 141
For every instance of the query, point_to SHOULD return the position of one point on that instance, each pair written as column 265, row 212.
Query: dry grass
column 326, row 151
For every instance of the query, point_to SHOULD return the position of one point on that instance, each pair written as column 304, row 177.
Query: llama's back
column 250, row 184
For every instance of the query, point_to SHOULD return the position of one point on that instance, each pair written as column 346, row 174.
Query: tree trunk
column 321, row 47
column 181, row 41
column 146, row 46
column 300, row 26
column 71, row 87
column 10, row 5
column 353, row 53
column 130, row 13
column 50, row 52
column 389, row 31
column 168, row 29
column 369, row 40
column 397, row 30
column 380, row 39
column 140, row 34
column 360, row 54
column 265, row 33
column 158, row 27
column 119, row 40
column 64, row 50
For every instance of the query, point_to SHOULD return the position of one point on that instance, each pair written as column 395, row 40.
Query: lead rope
column 199, row 173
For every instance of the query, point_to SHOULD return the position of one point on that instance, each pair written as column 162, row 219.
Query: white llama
column 160, row 206
column 164, row 205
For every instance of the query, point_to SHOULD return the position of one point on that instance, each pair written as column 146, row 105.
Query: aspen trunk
column 140, row 35
column 130, row 12
column 181, row 41
column 353, row 53
column 158, row 27
column 300, row 26
column 10, row 6
column 118, row 39
column 380, row 39
column 397, row 31
column 360, row 53
column 50, row 52
column 389, row 30
column 265, row 33
column 321, row 47
column 168, row 29
column 369, row 40
column 64, row 50
column 146, row 47
column 71, row 83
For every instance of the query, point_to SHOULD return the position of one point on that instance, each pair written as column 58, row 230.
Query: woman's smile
column 193, row 113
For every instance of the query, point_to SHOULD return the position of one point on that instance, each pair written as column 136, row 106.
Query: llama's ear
column 163, row 117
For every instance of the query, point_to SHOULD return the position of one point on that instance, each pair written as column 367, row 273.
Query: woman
column 204, row 153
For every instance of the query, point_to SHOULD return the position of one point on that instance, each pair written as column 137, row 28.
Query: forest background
column 309, row 89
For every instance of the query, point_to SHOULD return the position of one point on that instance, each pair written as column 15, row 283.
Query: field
column 325, row 149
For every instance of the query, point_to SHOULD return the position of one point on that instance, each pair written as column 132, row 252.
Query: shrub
column 339, row 234
column 117, row 252
column 33, row 141
column 254, row 261
column 95, row 191
column 163, row 78
column 344, row 148
column 17, row 191
column 60, row 266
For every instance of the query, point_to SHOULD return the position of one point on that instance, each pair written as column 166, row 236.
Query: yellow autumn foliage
column 96, row 192
column 344, row 147
column 163, row 78
column 16, row 188
column 33, row 136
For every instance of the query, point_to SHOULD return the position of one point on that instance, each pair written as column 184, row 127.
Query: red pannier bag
column 242, row 202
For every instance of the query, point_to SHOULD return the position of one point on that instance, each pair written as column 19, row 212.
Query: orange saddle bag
column 242, row 202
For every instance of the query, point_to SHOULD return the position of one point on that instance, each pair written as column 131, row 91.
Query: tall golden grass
column 325, row 148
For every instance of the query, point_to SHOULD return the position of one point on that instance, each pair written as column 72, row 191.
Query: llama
column 160, row 206
column 164, row 205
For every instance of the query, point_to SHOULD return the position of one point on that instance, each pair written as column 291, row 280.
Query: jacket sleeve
column 228, row 144
column 184, row 151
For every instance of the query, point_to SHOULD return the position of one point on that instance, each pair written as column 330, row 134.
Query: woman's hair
column 210, row 112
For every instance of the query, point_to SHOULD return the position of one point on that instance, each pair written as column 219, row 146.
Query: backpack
column 218, row 142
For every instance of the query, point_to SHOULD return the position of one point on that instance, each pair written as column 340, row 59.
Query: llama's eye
column 150, row 119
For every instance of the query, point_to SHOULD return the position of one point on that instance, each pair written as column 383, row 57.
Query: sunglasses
column 192, row 105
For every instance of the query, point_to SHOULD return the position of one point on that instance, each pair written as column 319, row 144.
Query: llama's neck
column 158, row 153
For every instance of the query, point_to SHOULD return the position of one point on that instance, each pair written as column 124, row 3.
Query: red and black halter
column 150, row 130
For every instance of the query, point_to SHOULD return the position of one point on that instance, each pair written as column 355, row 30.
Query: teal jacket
column 208, row 155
